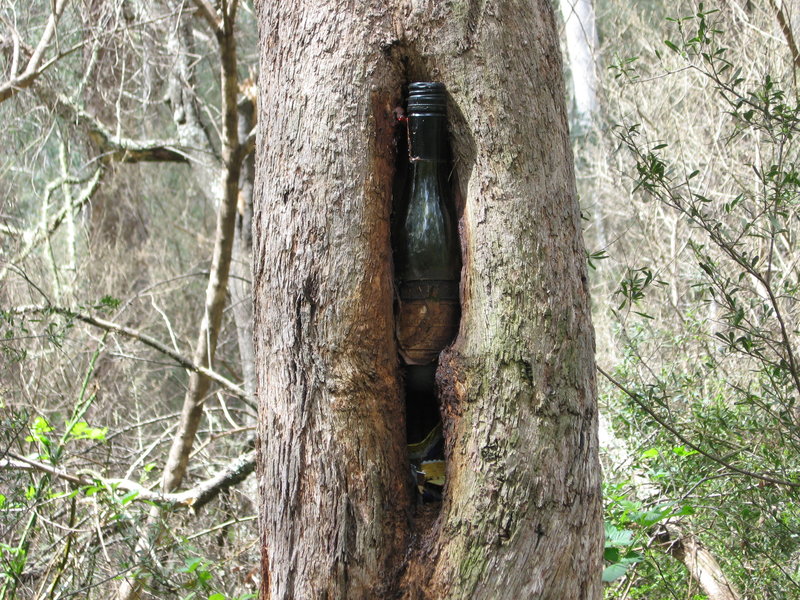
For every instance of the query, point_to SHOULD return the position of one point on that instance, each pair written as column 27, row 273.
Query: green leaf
column 683, row 451
column 82, row 431
column 108, row 302
column 614, row 572
column 40, row 425
column 612, row 555
column 651, row 517
column 651, row 453
column 594, row 256
column 38, row 430
column 192, row 564
column 617, row 537
column 129, row 497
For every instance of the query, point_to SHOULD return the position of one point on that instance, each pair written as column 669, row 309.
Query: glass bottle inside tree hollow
column 427, row 254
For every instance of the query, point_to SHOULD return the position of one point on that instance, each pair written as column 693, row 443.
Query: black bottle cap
column 427, row 98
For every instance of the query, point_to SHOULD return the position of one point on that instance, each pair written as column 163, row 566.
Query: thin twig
column 179, row 358
column 209, row 15
column 46, row 230
column 786, row 28
column 717, row 459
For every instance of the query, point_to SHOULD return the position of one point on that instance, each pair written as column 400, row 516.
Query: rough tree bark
column 521, row 514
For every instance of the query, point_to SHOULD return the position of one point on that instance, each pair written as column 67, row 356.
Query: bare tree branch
column 114, row 147
column 19, row 81
column 9, row 230
column 209, row 15
column 189, row 124
column 195, row 498
column 217, row 288
column 701, row 563
column 43, row 234
column 786, row 29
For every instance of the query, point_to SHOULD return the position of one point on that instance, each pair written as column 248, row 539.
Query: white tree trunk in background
column 580, row 32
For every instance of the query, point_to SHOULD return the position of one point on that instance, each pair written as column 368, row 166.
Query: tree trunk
column 241, row 272
column 580, row 33
column 521, row 514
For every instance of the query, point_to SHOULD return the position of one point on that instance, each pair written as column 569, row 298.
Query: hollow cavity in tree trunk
column 427, row 271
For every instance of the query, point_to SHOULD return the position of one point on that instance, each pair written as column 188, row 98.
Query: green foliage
column 108, row 302
column 706, row 384
column 624, row 68
column 618, row 552
column 593, row 257
column 200, row 575
column 39, row 431
column 633, row 285
column 82, row 431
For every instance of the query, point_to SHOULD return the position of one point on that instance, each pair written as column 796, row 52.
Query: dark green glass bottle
column 427, row 254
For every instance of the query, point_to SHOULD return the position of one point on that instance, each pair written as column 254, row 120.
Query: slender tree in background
column 521, row 510
column 580, row 35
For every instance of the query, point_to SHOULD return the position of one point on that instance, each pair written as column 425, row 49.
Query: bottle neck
column 426, row 137
column 423, row 169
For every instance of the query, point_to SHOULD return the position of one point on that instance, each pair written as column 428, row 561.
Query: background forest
column 125, row 313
